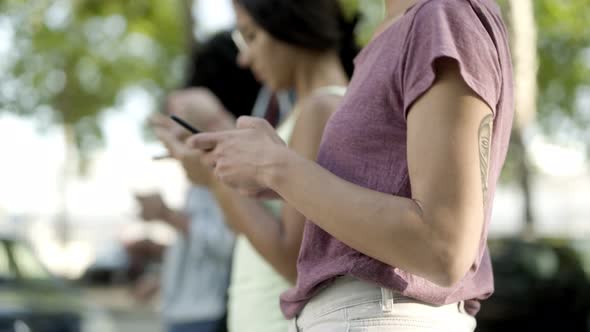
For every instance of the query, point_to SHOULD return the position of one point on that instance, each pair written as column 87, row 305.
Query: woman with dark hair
column 307, row 47
column 215, row 60
column 399, row 206
column 196, row 266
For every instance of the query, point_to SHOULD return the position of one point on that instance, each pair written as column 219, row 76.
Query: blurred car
column 111, row 266
column 32, row 300
column 540, row 285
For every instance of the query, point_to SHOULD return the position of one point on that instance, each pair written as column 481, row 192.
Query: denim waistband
column 348, row 291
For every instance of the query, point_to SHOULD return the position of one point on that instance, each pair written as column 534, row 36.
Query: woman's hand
column 190, row 159
column 242, row 158
column 267, row 194
column 195, row 170
column 152, row 206
column 201, row 108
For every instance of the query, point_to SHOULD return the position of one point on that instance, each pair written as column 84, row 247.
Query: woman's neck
column 396, row 8
column 316, row 70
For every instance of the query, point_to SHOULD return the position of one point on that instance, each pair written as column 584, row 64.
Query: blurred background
column 78, row 78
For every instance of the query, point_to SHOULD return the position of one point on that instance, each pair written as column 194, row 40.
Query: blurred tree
column 523, row 32
column 551, row 49
column 564, row 68
column 71, row 60
column 371, row 15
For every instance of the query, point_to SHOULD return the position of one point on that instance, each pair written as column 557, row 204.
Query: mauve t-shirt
column 365, row 139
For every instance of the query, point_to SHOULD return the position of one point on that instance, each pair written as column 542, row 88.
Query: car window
column 582, row 247
column 29, row 267
column 6, row 271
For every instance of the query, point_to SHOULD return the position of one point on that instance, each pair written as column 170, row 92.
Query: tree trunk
column 524, row 48
column 69, row 171
column 190, row 23
column 524, row 181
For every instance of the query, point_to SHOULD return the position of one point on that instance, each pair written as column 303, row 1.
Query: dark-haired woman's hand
column 242, row 158
column 190, row 159
column 206, row 110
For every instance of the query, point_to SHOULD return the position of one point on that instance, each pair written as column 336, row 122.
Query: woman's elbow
column 292, row 276
column 453, row 266
column 288, row 271
column 450, row 277
column 455, row 249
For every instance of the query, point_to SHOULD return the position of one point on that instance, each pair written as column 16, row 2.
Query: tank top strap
column 285, row 129
column 336, row 90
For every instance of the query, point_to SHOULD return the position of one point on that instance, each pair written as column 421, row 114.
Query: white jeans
column 350, row 305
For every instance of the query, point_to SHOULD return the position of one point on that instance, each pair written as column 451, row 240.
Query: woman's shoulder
column 436, row 9
column 434, row 5
column 323, row 101
column 321, row 104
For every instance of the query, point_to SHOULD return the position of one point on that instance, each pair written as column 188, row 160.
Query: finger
column 226, row 180
column 246, row 122
column 190, row 156
column 159, row 121
column 267, row 194
column 248, row 192
column 206, row 141
column 161, row 133
column 171, row 103
column 174, row 146
column 165, row 136
column 209, row 160
column 243, row 192
column 252, row 191
column 161, row 157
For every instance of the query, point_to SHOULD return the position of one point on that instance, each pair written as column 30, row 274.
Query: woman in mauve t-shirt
column 399, row 202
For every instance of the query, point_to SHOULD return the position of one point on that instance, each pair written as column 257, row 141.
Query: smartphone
column 162, row 156
column 184, row 124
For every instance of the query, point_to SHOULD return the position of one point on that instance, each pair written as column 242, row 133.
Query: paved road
column 121, row 313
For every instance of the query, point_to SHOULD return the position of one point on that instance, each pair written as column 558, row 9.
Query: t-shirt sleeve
column 449, row 29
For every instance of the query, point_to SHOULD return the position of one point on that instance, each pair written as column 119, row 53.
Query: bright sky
column 213, row 15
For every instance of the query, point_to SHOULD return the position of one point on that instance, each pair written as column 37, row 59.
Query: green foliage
column 564, row 71
column 371, row 12
column 563, row 77
column 73, row 58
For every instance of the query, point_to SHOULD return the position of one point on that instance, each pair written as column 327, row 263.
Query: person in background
column 195, row 268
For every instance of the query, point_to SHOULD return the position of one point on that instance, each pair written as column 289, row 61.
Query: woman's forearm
column 178, row 220
column 262, row 229
column 386, row 227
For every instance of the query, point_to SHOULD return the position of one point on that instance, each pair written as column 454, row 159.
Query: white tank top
column 285, row 129
column 255, row 285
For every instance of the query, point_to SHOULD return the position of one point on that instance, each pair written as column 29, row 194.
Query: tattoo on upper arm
column 485, row 140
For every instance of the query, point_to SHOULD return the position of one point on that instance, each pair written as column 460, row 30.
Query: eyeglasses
column 239, row 40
